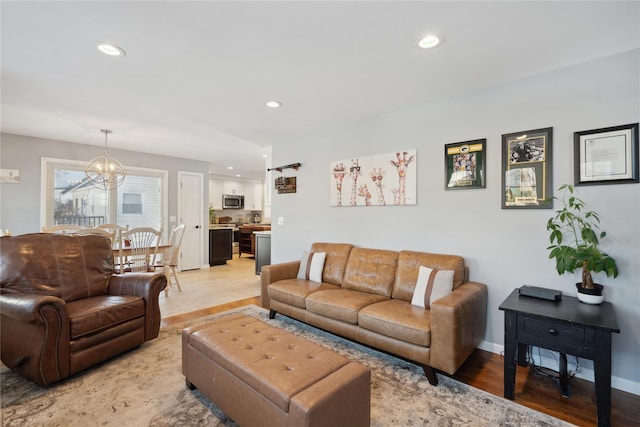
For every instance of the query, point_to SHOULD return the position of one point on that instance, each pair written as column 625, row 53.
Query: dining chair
column 175, row 240
column 114, row 228
column 141, row 246
column 62, row 229
column 117, row 230
column 110, row 235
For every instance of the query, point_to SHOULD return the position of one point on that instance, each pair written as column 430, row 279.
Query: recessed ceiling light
column 111, row 49
column 230, row 168
column 430, row 41
column 274, row 104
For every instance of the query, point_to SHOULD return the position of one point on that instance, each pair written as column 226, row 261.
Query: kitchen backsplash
column 237, row 216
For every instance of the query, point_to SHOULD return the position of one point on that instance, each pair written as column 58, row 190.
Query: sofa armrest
column 273, row 273
column 457, row 326
column 145, row 285
column 34, row 336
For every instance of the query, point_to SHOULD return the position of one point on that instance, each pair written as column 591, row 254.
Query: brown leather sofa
column 365, row 295
column 63, row 309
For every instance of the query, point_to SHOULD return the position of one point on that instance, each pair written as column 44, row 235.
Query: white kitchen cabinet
column 233, row 187
column 215, row 193
column 253, row 196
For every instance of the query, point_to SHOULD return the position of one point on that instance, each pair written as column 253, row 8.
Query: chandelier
column 105, row 172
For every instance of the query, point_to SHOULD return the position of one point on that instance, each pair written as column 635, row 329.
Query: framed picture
column 606, row 156
column 526, row 169
column 9, row 176
column 388, row 179
column 464, row 164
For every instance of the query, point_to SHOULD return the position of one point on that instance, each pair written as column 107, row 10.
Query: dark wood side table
column 566, row 326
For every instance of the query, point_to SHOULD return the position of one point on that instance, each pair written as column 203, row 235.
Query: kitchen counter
column 247, row 238
column 220, row 245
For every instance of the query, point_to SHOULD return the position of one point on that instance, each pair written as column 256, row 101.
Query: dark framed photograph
column 606, row 156
column 465, row 164
column 526, row 169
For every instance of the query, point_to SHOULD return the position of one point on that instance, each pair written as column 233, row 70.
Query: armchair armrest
column 274, row 272
column 457, row 326
column 34, row 333
column 28, row 307
column 145, row 285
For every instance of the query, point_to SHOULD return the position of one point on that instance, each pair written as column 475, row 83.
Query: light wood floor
column 212, row 286
column 222, row 288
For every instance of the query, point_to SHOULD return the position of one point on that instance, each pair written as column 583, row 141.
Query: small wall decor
column 9, row 176
column 526, row 169
column 285, row 184
column 383, row 179
column 606, row 155
column 464, row 164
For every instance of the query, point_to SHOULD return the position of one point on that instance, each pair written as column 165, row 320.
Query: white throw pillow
column 432, row 284
column 311, row 266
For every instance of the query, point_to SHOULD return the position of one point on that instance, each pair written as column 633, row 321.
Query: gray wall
column 20, row 203
column 503, row 248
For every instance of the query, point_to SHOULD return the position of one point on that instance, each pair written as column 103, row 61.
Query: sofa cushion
column 341, row 304
column 371, row 271
column 398, row 319
column 335, row 262
column 69, row 267
column 295, row 291
column 432, row 284
column 311, row 266
column 409, row 263
column 92, row 315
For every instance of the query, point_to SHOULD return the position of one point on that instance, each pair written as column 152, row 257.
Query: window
column 131, row 203
column 141, row 201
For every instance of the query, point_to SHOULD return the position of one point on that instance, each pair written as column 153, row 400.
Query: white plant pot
column 590, row 299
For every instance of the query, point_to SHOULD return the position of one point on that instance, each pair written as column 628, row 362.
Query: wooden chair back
column 142, row 246
column 110, row 235
column 175, row 240
column 62, row 229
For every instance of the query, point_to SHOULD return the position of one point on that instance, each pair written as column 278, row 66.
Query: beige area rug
column 145, row 387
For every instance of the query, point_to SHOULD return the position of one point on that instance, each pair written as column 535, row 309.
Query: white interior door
column 190, row 210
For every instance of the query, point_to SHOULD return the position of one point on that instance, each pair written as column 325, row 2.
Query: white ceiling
column 197, row 75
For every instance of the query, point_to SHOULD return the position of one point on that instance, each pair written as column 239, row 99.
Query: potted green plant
column 575, row 240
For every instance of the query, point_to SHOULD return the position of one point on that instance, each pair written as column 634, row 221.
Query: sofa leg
column 431, row 374
column 189, row 385
column 272, row 314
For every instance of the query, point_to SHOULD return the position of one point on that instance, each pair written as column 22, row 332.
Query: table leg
column 564, row 380
column 602, row 368
column 510, row 346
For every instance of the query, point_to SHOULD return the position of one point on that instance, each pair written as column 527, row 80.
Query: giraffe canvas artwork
column 391, row 176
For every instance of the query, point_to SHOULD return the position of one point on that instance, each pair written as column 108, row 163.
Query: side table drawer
column 558, row 333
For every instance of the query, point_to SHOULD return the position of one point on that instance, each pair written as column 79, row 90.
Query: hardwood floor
column 484, row 370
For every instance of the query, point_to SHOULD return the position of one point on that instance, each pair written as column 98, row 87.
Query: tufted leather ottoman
column 261, row 375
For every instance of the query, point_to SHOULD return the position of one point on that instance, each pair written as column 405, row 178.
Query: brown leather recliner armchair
column 63, row 309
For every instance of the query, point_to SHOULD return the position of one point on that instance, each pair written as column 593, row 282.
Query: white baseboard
column 584, row 373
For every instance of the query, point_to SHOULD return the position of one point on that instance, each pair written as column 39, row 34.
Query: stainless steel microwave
column 232, row 201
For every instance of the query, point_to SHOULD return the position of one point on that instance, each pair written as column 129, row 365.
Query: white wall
column 503, row 248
